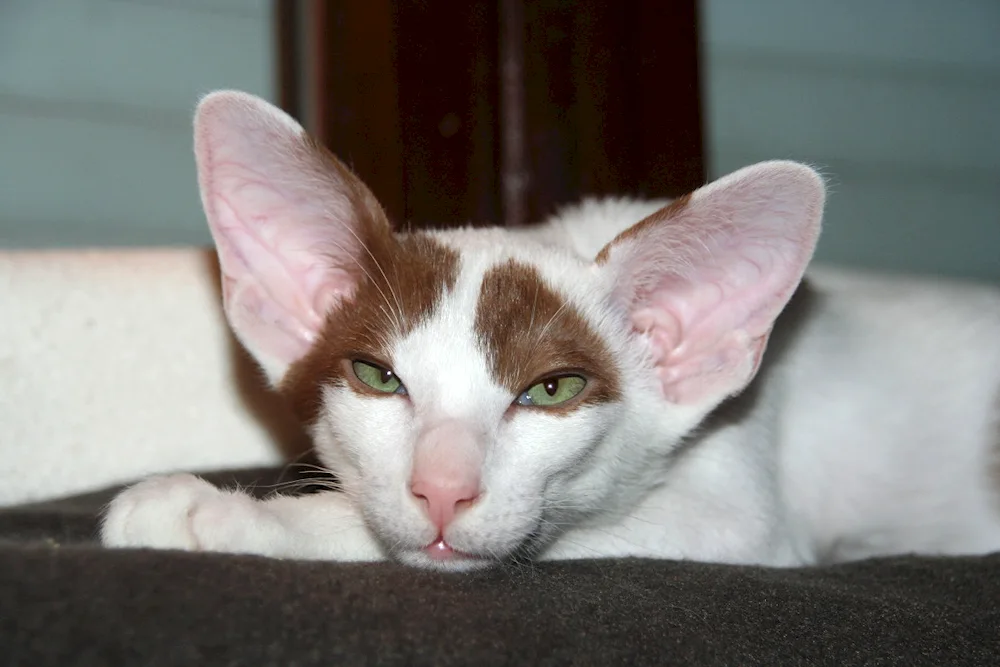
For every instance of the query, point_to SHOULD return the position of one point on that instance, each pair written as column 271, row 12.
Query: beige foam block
column 115, row 364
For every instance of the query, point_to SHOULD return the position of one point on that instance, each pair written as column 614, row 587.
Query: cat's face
column 490, row 369
column 476, row 391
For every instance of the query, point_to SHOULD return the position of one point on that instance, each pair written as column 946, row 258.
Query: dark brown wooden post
column 499, row 113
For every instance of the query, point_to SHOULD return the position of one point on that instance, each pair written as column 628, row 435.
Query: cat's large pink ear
column 705, row 277
column 289, row 223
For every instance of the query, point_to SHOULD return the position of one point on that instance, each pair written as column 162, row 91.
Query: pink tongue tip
column 440, row 550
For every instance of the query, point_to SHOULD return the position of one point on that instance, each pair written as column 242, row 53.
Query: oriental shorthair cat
column 627, row 378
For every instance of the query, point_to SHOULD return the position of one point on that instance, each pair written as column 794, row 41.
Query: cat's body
column 838, row 418
column 590, row 387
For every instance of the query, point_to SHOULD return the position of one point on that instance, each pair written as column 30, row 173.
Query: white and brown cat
column 596, row 386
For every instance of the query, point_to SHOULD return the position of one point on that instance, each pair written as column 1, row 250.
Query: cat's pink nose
column 444, row 499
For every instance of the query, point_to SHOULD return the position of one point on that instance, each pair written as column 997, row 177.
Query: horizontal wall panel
column 961, row 33
column 96, row 184
column 158, row 55
column 791, row 111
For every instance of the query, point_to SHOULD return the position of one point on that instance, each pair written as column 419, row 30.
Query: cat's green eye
column 380, row 379
column 552, row 391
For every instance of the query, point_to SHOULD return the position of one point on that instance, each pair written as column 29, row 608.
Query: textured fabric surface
column 130, row 348
column 65, row 601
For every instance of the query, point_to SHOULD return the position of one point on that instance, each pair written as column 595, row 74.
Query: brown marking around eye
column 418, row 270
column 529, row 331
column 400, row 279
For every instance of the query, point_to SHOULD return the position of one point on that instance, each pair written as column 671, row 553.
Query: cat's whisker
column 290, row 491
column 309, row 466
column 534, row 305
column 397, row 323
column 322, row 477
column 515, row 563
column 388, row 283
column 531, row 325
column 294, row 462
column 555, row 315
column 544, row 332
column 290, row 484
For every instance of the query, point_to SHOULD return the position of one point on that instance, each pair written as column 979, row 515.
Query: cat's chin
column 439, row 556
column 457, row 564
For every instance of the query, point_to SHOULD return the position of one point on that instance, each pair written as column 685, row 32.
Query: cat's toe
column 159, row 513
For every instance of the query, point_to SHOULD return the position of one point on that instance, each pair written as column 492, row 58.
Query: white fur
column 872, row 432
column 876, row 437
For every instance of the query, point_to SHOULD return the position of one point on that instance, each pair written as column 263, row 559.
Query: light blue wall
column 897, row 101
column 95, row 113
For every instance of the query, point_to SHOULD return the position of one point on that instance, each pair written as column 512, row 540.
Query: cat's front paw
column 178, row 512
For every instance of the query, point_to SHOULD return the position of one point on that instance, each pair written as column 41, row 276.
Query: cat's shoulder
column 889, row 312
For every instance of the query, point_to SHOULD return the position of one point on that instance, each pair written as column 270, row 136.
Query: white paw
column 179, row 512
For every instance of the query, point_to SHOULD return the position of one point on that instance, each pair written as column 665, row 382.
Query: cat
column 595, row 386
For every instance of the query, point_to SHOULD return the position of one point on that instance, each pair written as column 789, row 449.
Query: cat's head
column 476, row 390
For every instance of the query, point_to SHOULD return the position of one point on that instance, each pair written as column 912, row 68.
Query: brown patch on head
column 405, row 277
column 665, row 213
column 529, row 331
column 399, row 277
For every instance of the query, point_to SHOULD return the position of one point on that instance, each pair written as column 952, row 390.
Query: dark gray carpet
column 65, row 601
